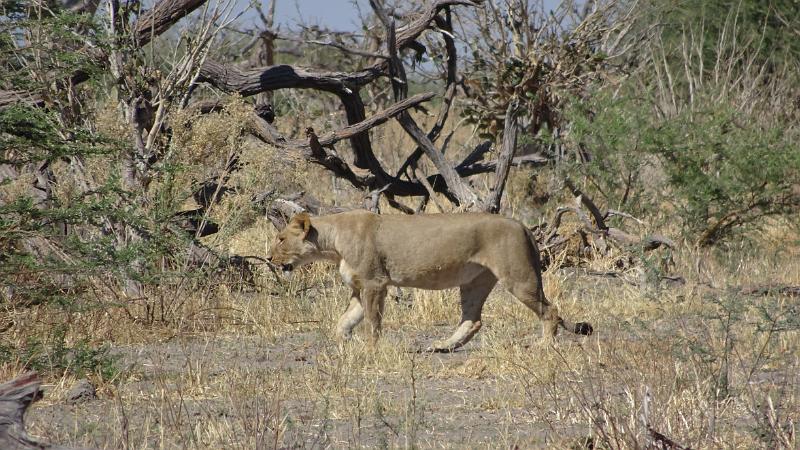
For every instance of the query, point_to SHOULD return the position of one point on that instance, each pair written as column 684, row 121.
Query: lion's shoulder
column 357, row 221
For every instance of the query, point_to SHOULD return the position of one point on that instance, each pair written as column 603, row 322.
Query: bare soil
column 658, row 358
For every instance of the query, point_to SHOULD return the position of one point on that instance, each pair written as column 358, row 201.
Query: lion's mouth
column 287, row 268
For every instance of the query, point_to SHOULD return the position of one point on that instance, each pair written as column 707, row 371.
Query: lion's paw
column 440, row 347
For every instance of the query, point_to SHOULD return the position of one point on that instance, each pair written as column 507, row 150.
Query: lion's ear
column 303, row 222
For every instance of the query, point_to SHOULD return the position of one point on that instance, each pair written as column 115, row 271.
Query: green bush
column 53, row 355
column 613, row 132
column 49, row 246
column 728, row 170
column 723, row 171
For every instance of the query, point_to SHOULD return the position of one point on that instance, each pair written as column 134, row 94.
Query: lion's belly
column 434, row 277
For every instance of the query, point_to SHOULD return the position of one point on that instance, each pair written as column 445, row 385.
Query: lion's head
column 292, row 247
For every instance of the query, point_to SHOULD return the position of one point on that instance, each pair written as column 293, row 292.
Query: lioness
column 436, row 251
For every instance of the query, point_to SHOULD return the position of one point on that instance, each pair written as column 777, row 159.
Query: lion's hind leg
column 532, row 296
column 473, row 296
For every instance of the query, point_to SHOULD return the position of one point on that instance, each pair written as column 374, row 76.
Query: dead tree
column 370, row 174
column 593, row 234
column 346, row 86
column 149, row 102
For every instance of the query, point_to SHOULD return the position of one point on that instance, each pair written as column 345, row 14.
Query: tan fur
column 437, row 251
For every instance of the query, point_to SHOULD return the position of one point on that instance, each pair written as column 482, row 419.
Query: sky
column 332, row 14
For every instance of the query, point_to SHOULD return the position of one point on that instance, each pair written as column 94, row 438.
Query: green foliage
column 51, row 246
column 34, row 135
column 614, row 131
column 723, row 170
column 67, row 217
column 729, row 170
column 41, row 46
column 53, row 355
column 767, row 28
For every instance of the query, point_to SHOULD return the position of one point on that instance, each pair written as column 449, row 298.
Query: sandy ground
column 301, row 388
column 453, row 411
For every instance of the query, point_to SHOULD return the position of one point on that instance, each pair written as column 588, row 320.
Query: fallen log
column 590, row 234
column 15, row 398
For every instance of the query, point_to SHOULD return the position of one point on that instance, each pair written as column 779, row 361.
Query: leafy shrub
column 723, row 170
column 52, row 243
column 52, row 355
column 729, row 170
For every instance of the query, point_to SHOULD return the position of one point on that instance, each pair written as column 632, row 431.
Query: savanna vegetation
column 150, row 149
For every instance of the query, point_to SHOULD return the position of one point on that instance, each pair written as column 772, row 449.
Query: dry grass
column 223, row 367
column 263, row 369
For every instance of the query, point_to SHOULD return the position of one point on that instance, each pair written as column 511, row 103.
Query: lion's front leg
column 352, row 317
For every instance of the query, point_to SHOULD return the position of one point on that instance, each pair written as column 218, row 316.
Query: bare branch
column 492, row 203
column 15, row 398
column 252, row 81
column 377, row 119
column 428, row 187
column 11, row 98
column 247, row 82
column 161, row 17
column 314, row 150
column 588, row 203
column 612, row 212
column 446, row 27
column 460, row 190
column 476, row 154
column 338, row 46
column 491, row 166
column 397, row 205
column 397, row 74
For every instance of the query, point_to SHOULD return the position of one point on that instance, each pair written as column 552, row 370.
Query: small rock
column 81, row 392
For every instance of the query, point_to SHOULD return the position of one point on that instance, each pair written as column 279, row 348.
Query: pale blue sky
column 333, row 14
